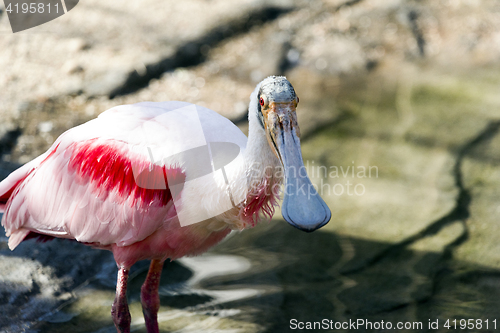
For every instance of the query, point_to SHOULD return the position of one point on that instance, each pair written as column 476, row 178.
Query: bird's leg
column 119, row 310
column 149, row 296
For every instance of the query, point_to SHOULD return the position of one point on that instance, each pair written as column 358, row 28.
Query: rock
column 71, row 67
column 45, row 126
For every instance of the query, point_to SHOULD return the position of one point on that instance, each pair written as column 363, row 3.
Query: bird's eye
column 261, row 101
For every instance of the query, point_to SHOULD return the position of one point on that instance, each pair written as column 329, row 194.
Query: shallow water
column 262, row 279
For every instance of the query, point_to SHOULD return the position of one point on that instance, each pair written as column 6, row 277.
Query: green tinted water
column 415, row 245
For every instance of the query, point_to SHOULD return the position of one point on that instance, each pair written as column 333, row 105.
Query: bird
column 163, row 180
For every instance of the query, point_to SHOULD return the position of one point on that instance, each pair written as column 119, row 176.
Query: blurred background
column 407, row 91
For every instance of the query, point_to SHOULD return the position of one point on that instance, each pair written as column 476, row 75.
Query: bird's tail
column 7, row 187
column 9, row 184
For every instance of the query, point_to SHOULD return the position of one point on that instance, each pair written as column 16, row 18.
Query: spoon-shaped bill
column 302, row 206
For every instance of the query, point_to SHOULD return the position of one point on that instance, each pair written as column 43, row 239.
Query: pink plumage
column 90, row 194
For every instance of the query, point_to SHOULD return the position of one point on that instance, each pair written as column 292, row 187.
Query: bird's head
column 274, row 102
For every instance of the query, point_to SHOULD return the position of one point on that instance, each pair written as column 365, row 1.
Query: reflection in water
column 216, row 265
column 203, row 268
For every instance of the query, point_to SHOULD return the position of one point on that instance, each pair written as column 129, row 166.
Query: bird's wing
column 86, row 186
column 89, row 192
column 8, row 185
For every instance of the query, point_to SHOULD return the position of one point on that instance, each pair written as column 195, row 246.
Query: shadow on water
column 261, row 279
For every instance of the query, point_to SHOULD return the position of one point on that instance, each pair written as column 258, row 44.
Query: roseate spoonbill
column 88, row 185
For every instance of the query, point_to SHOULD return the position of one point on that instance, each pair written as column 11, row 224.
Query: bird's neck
column 258, row 153
column 264, row 174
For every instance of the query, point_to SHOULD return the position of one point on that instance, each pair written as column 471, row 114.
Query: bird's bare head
column 276, row 110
